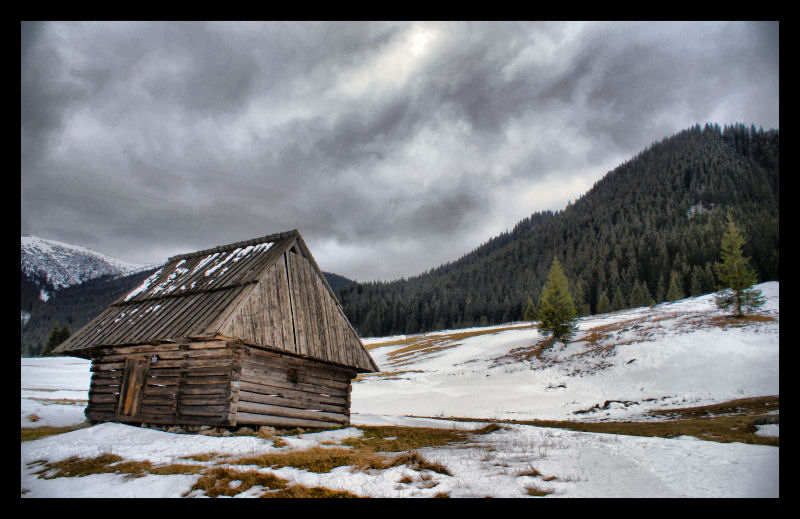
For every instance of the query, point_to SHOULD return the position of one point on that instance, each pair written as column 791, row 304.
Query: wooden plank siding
column 187, row 384
column 315, row 395
column 291, row 310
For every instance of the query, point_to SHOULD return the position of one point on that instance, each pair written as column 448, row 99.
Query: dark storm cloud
column 393, row 147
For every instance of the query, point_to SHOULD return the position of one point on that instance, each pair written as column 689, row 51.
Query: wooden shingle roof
column 199, row 294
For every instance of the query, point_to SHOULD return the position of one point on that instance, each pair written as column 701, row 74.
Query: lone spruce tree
column 735, row 275
column 556, row 309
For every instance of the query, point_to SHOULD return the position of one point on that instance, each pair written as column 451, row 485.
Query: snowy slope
column 62, row 264
column 674, row 355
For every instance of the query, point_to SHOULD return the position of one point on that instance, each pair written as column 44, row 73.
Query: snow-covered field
column 673, row 355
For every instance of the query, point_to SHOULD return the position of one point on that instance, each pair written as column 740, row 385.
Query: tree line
column 647, row 232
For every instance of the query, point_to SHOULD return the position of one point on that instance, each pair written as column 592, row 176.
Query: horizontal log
column 201, row 410
column 205, row 389
column 155, row 408
column 302, row 378
column 304, row 403
column 104, row 407
column 189, row 380
column 290, row 393
column 243, row 418
column 249, row 376
column 319, row 369
column 288, row 412
column 107, row 366
column 140, row 348
column 160, row 391
column 103, row 398
column 107, row 375
column 104, row 388
column 204, row 400
column 308, row 372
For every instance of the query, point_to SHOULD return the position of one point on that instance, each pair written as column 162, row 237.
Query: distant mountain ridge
column 58, row 265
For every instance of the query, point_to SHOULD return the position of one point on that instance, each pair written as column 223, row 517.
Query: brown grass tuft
column 217, row 482
column 416, row 461
column 299, row 491
column 530, row 471
column 397, row 439
column 34, row 433
column 492, row 427
column 732, row 421
column 535, row 491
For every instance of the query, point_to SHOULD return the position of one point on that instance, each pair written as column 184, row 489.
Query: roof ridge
column 246, row 243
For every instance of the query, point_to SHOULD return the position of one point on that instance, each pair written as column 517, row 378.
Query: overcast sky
column 391, row 147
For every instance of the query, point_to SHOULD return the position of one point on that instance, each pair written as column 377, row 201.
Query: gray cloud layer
column 392, row 147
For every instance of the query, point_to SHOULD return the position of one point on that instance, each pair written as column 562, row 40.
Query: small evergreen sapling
column 530, row 311
column 556, row 309
column 735, row 275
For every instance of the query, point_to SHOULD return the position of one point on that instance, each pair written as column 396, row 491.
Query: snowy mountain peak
column 64, row 264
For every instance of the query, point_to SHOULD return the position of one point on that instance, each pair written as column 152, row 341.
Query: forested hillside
column 72, row 306
column 647, row 232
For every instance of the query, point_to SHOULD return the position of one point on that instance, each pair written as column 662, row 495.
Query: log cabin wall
column 285, row 391
column 188, row 383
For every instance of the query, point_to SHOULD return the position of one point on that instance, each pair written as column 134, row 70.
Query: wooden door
column 132, row 390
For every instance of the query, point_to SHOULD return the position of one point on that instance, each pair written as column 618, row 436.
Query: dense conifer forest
column 647, row 232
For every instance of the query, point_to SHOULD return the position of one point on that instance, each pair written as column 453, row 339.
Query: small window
column 291, row 375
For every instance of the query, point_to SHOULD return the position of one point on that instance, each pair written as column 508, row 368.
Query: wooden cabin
column 247, row 333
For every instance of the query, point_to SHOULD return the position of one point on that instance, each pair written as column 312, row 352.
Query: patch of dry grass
column 732, row 321
column 488, row 429
column 533, row 490
column 222, row 481
column 530, row 471
column 725, row 422
column 59, row 401
column 34, row 433
column 108, row 464
column 415, row 461
column 316, row 459
column 201, row 457
column 417, row 346
column 299, row 491
column 398, row 438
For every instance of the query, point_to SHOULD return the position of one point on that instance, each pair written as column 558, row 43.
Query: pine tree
column 696, row 284
column 56, row 337
column 603, row 304
column 640, row 295
column 530, row 311
column 735, row 275
column 618, row 302
column 556, row 309
column 674, row 292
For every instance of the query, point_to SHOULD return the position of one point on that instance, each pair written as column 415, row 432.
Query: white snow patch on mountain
column 63, row 264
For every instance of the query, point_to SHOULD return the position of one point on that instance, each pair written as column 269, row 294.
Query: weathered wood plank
column 201, row 410
column 288, row 412
column 305, row 403
column 282, row 362
column 243, row 418
column 204, row 389
column 275, row 391
column 272, row 380
column 103, row 398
